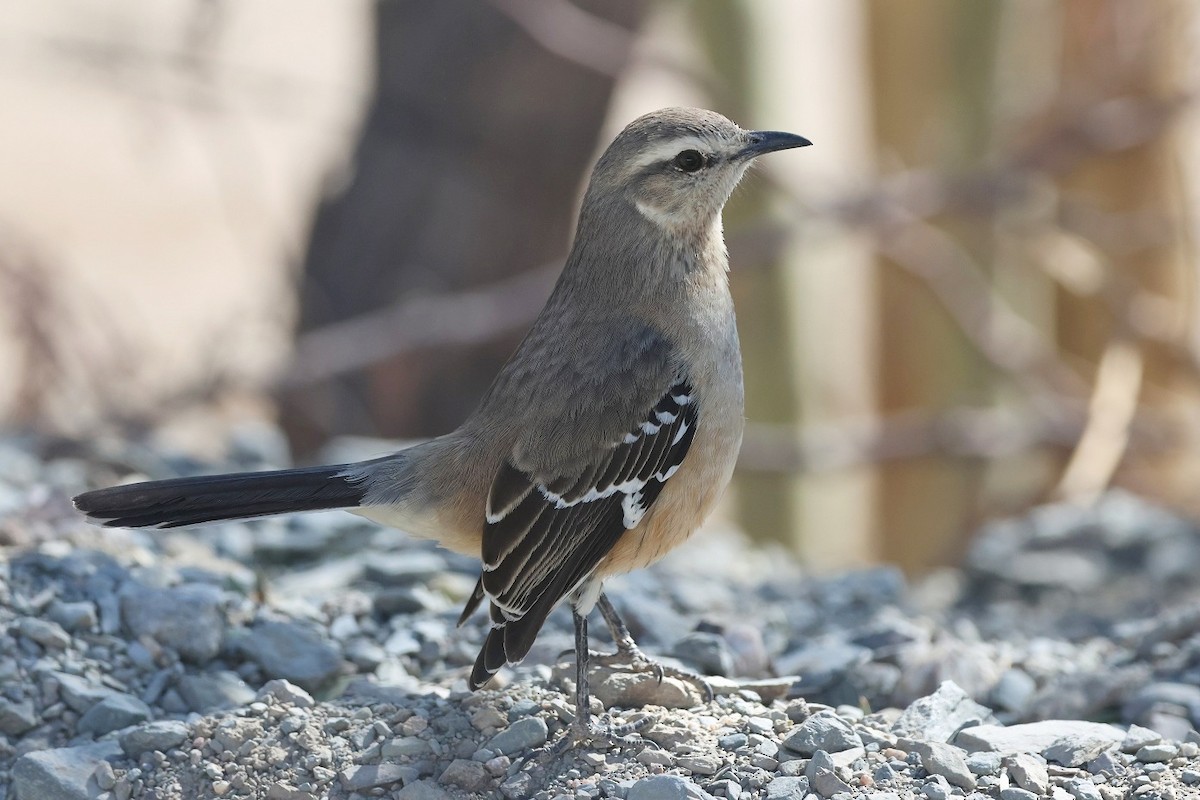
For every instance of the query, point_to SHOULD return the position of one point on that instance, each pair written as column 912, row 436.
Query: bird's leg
column 628, row 649
column 583, row 729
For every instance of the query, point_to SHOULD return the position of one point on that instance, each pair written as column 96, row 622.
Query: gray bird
column 605, row 440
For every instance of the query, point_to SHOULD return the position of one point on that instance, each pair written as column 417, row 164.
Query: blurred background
column 977, row 292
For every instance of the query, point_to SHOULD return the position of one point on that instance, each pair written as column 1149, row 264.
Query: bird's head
column 678, row 166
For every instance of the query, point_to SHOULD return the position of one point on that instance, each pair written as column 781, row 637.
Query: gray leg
column 627, row 648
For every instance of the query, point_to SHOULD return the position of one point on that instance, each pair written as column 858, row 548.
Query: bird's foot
column 630, row 658
column 590, row 733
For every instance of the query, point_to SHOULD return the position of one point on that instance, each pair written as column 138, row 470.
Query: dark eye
column 689, row 161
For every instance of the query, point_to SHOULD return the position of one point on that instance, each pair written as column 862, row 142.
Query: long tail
column 190, row 501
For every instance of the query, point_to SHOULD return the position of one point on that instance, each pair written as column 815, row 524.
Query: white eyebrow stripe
column 666, row 150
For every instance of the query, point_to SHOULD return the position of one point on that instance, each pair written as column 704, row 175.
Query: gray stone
column 937, row 788
column 1082, row 790
column 826, row 783
column 1076, row 750
column 698, row 764
column 284, row 693
column 214, row 691
column 405, row 568
column 1138, row 737
column 49, row 635
column 1033, row 737
column 16, row 717
column 362, row 777
column 422, row 790
column 733, row 741
column 707, row 652
column 1157, row 753
column 823, row 731
column 937, row 717
column 1190, row 777
column 471, row 776
column 404, row 747
column 114, row 712
column 659, row 787
column 78, row 616
column 1108, row 763
column 292, row 651
column 984, row 763
column 1014, row 793
column 518, row 786
column 524, row 734
column 616, row 689
column 65, row 773
column 946, row 760
column 822, row 663
column 187, row 619
column 1029, row 772
column 78, row 693
column 1014, row 690
column 160, row 735
column 787, row 788
column 1163, row 693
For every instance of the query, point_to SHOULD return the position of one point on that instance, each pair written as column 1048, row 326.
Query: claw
column 636, row 660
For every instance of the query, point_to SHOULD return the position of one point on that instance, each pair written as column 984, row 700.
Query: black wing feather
column 546, row 534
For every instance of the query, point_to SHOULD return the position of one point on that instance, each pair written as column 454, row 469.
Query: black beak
column 769, row 141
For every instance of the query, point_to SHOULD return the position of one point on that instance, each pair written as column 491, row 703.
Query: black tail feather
column 191, row 501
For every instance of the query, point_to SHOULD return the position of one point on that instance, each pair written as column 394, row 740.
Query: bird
column 605, row 440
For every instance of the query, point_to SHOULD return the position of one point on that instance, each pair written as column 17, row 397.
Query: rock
column 666, row 787
column 294, row 652
column 1138, row 737
column 518, row 786
column 187, row 618
column 1014, row 793
column 733, row 741
column 1163, row 693
column 405, row 568
column 1157, row 753
column 404, row 746
column 1013, row 691
column 826, row 783
column 787, row 788
column 707, row 652
column 114, row 712
column 937, row 788
column 937, row 717
column 1083, row 790
column 984, row 763
column 49, row 635
column 823, row 663
column 78, row 693
column 617, row 689
column 465, row 774
column 65, row 773
column 823, row 731
column 214, row 691
column 699, row 764
column 939, row 758
column 285, row 693
column 1033, row 737
column 1029, row 772
column 16, row 717
column 524, row 734
column 160, row 735
column 362, row 777
column 1076, row 750
column 421, row 790
column 78, row 616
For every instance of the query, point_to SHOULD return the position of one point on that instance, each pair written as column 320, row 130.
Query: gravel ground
column 317, row 656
